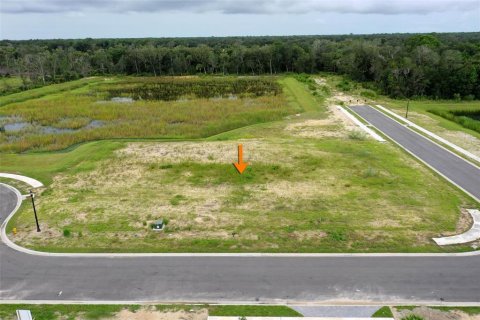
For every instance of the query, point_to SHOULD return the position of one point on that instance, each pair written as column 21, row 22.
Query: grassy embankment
column 310, row 188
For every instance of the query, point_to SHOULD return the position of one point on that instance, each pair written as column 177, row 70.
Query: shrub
column 457, row 96
column 325, row 90
column 337, row 235
column 357, row 135
column 66, row 233
column 370, row 94
column 345, row 85
column 469, row 97
column 465, row 118
column 370, row 172
column 175, row 201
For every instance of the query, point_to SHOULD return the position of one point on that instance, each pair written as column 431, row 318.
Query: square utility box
column 158, row 225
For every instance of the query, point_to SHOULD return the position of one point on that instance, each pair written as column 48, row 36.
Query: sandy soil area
column 434, row 314
column 152, row 314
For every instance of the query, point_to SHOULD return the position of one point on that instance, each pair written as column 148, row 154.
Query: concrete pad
column 337, row 311
column 469, row 236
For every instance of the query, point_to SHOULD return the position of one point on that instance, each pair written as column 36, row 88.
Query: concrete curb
column 274, row 302
column 431, row 134
column 3, row 227
column 372, row 133
column 32, row 182
column 468, row 236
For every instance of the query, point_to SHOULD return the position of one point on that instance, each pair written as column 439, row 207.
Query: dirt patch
column 152, row 314
column 30, row 235
column 341, row 97
column 309, row 235
column 336, row 125
column 201, row 152
column 434, row 314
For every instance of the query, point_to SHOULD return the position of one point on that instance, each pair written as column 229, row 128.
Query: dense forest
column 441, row 66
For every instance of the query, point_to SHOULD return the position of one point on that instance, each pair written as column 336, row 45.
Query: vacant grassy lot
column 312, row 186
column 58, row 116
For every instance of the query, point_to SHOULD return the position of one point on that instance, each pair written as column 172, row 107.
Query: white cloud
column 242, row 6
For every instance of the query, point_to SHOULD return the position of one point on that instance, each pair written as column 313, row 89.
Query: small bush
column 345, row 85
column 175, row 201
column 469, row 97
column 357, row 135
column 325, row 90
column 370, row 94
column 457, row 97
column 66, row 233
column 338, row 235
column 370, row 172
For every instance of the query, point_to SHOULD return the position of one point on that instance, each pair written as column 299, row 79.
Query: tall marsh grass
column 194, row 118
column 466, row 118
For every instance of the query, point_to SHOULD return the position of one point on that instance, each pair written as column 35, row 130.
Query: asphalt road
column 223, row 279
column 461, row 172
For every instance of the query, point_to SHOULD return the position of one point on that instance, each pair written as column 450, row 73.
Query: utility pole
column 34, row 210
column 408, row 103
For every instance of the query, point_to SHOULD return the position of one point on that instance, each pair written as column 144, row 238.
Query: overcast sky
column 44, row 19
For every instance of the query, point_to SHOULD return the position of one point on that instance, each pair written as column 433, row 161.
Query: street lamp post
column 34, row 210
column 406, row 113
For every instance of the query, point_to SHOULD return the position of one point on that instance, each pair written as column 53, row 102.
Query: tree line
column 439, row 66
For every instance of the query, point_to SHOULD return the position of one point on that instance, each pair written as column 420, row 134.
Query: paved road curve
column 205, row 279
column 463, row 173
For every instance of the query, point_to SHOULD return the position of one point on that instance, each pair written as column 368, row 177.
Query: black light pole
column 408, row 103
column 34, row 211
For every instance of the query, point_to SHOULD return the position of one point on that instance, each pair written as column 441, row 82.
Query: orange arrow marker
column 240, row 165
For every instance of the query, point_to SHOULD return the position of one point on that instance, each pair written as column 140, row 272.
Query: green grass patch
column 61, row 311
column 383, row 312
column 93, row 312
column 252, row 311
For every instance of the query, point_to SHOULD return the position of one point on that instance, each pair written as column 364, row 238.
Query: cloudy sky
column 43, row 19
